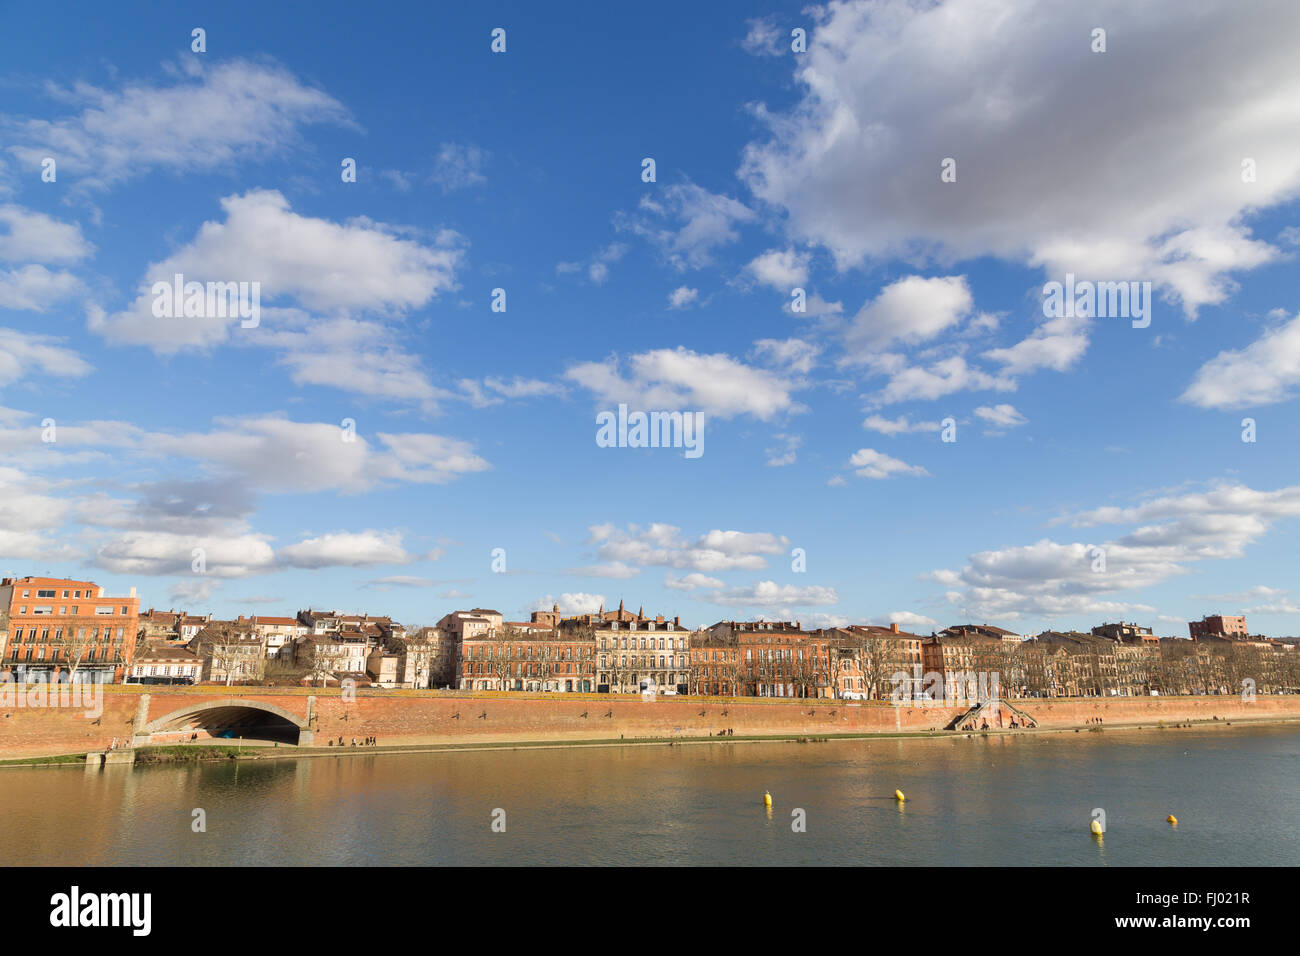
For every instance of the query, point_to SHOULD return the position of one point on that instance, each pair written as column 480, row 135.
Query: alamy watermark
column 651, row 430
column 1101, row 300
column 16, row 692
column 208, row 300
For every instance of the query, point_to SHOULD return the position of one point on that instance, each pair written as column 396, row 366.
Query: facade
column 164, row 663
column 715, row 666
column 62, row 630
column 1123, row 633
column 1217, row 625
column 279, row 632
column 636, row 652
column 332, row 656
column 229, row 653
column 964, row 667
column 516, row 660
column 778, row 658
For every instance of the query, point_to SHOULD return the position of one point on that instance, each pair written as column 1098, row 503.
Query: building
column 987, row 631
column 67, row 631
column 965, row 666
column 230, row 653
column 510, row 659
column 332, row 656
column 715, row 665
column 1217, row 625
column 890, row 661
column 1123, row 633
column 778, row 658
column 423, row 659
column 164, row 663
column 279, row 632
column 635, row 652
column 160, row 625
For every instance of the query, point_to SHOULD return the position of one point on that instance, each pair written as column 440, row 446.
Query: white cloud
column 347, row 549
column 1168, row 533
column 35, row 288
column 703, row 222
column 663, row 545
column 322, row 265
column 1001, row 416
column 796, row 355
column 764, row 37
column 32, row 236
column 22, row 353
column 897, row 426
column 679, row 379
column 769, row 594
column 459, row 166
column 162, row 552
column 910, row 310
column 869, row 463
column 689, row 582
column 207, row 119
column 1020, row 111
column 1263, row 373
column 683, row 296
column 571, row 603
column 782, row 269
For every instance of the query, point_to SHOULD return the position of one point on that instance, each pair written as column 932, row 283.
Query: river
column 1021, row 800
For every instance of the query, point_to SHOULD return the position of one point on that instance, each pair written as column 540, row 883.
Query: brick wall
column 414, row 717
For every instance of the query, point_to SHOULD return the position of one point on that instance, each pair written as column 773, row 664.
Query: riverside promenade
column 310, row 718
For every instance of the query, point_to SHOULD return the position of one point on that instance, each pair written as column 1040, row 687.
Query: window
column 76, row 594
column 104, row 610
column 63, row 609
column 46, row 593
column 65, row 594
column 45, row 609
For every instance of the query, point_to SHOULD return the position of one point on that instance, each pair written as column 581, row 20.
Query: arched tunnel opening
column 232, row 722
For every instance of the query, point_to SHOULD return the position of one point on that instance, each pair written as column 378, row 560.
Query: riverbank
column 207, row 751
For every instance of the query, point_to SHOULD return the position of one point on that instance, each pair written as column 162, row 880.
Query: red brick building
column 778, row 658
column 1217, row 625
column 62, row 630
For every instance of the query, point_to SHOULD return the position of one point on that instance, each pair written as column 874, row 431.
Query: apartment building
column 64, row 630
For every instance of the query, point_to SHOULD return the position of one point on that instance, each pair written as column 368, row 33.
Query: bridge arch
column 234, row 717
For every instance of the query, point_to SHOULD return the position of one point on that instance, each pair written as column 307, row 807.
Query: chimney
column 132, row 594
column 893, row 626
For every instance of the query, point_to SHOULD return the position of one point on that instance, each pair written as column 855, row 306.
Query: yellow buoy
column 898, row 795
column 767, row 799
column 1172, row 819
column 1095, row 827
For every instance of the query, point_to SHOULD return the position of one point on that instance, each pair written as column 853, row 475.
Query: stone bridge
column 224, row 717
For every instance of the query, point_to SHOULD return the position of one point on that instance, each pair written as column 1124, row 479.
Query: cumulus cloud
column 571, row 603
column 1001, row 416
column 782, row 269
column 347, row 549
column 1263, row 373
column 679, row 379
column 204, row 118
column 688, row 223
column 25, row 353
column 910, row 310
column 769, row 594
column 323, row 266
column 897, row 426
column 1165, row 536
column 683, row 296
column 869, row 463
column 1043, row 132
column 664, row 545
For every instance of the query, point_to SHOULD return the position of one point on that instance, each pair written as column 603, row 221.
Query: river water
column 982, row 800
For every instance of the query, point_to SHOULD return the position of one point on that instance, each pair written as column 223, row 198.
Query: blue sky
column 522, row 170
